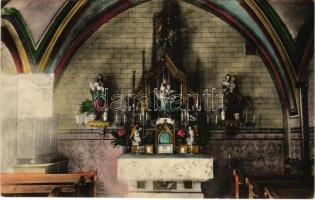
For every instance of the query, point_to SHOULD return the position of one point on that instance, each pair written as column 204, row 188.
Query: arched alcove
column 212, row 47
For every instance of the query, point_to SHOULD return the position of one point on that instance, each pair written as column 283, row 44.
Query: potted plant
column 88, row 108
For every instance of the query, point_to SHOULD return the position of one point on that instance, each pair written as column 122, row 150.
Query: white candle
column 216, row 119
column 246, row 117
column 182, row 116
column 116, row 119
column 197, row 103
column 77, row 119
column 124, row 119
column 254, row 118
column 212, row 99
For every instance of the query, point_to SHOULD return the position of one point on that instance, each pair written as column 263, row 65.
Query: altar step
column 189, row 195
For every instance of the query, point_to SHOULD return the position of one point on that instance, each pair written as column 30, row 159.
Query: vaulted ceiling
column 42, row 36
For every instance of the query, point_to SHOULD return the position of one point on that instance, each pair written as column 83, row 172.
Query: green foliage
column 87, row 106
column 122, row 140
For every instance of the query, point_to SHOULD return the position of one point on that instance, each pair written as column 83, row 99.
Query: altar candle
column 254, row 118
column 197, row 103
column 212, row 99
column 182, row 116
column 207, row 119
column 116, row 119
column 246, row 117
column 77, row 119
column 124, row 119
column 216, row 119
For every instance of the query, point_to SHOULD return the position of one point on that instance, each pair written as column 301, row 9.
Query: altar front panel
column 165, row 167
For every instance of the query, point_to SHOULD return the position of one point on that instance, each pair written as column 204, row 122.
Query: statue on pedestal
column 135, row 135
column 165, row 96
column 99, row 98
column 231, row 98
column 190, row 139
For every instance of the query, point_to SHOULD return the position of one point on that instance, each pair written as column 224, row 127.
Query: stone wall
column 211, row 45
column 90, row 153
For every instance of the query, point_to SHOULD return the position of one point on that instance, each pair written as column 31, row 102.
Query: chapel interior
column 157, row 98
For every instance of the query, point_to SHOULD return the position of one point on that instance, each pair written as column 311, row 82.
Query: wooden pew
column 244, row 186
column 28, row 184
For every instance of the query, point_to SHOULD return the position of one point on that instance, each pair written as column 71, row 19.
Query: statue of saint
column 231, row 98
column 191, row 133
column 165, row 96
column 98, row 86
column 135, row 135
column 98, row 94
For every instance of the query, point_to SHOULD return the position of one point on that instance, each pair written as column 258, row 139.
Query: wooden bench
column 28, row 184
column 246, row 187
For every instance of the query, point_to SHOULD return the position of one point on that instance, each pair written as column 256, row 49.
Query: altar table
column 170, row 176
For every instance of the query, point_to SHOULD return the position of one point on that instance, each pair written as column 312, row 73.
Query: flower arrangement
column 181, row 136
column 121, row 138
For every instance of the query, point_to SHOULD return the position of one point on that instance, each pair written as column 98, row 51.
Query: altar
column 169, row 176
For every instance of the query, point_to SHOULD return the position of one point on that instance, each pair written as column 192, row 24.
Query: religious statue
column 231, row 99
column 98, row 86
column 135, row 135
column 99, row 98
column 165, row 96
column 191, row 133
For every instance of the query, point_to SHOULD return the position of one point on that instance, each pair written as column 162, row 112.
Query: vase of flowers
column 181, row 136
column 120, row 138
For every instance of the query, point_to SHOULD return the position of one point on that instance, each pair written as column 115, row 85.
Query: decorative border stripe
column 26, row 68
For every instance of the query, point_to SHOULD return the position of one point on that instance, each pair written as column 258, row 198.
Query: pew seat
column 34, row 184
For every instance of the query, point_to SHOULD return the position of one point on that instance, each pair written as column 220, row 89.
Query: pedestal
column 42, row 168
column 169, row 176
